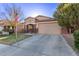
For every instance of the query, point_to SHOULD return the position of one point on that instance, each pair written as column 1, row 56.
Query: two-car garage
column 49, row 27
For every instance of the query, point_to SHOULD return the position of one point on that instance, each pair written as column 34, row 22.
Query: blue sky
column 34, row 9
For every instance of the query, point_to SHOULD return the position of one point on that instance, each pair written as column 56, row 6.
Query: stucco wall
column 50, row 27
column 29, row 21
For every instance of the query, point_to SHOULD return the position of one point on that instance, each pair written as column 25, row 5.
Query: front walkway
column 48, row 45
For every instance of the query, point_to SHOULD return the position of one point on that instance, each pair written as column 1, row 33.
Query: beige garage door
column 49, row 28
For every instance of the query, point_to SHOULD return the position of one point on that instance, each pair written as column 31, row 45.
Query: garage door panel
column 49, row 28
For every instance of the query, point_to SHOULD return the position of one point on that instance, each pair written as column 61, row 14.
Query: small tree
column 13, row 15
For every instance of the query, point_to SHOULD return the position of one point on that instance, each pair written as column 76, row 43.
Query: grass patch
column 10, row 39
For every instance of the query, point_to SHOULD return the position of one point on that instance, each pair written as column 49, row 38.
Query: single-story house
column 42, row 25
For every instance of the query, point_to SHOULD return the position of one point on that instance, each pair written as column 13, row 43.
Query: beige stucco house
column 42, row 25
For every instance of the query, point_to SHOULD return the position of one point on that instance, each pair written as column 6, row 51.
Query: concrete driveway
column 39, row 45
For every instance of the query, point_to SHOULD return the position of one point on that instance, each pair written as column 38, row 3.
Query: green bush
column 76, row 37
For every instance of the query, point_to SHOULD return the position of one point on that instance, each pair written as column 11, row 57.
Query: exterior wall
column 29, row 21
column 50, row 27
column 20, row 28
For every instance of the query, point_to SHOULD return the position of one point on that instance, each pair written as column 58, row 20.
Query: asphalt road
column 39, row 45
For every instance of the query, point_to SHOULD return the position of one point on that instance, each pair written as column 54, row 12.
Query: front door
column 31, row 28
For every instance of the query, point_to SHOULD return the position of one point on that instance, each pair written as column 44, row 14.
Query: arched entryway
column 31, row 28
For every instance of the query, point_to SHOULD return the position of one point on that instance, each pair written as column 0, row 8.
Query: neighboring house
column 11, row 25
column 5, row 27
column 5, row 24
column 42, row 25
